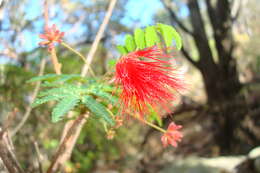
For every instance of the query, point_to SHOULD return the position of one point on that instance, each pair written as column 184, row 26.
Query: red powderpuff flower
column 146, row 80
column 172, row 135
column 51, row 35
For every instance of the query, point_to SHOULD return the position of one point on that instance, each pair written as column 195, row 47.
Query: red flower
column 51, row 35
column 146, row 80
column 172, row 135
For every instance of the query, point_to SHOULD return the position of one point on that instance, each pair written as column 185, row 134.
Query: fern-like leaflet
column 68, row 95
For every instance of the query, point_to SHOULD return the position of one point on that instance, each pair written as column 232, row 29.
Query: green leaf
column 44, row 77
column 102, row 86
column 63, row 107
column 73, row 89
column 45, row 99
column 169, row 34
column 130, row 43
column 50, row 84
column 65, row 90
column 104, row 95
column 58, row 78
column 139, row 38
column 54, row 91
column 97, row 109
column 151, row 36
column 68, row 77
column 121, row 49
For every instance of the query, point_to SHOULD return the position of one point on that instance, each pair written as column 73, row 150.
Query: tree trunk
column 221, row 85
column 220, row 76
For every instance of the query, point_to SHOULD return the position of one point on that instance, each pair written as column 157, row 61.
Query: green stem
column 78, row 53
column 151, row 124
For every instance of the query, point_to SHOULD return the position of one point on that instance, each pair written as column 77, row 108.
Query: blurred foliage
column 14, row 92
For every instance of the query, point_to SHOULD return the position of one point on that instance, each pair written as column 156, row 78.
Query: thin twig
column 79, row 54
column 10, row 117
column 39, row 156
column 35, row 93
column 55, row 62
column 175, row 18
column 46, row 14
column 99, row 35
column 7, row 155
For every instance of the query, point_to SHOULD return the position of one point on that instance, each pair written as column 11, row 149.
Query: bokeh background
column 220, row 60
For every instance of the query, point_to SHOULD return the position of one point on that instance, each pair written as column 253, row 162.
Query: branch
column 39, row 156
column 29, row 108
column 7, row 156
column 223, row 8
column 175, row 18
column 65, row 148
column 221, row 21
column 55, row 62
column 99, row 35
column 212, row 15
column 200, row 35
column 188, row 57
column 236, row 9
column 72, row 128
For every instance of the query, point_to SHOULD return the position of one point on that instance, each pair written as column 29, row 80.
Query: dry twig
column 29, row 108
column 64, row 151
column 39, row 156
column 99, row 35
column 7, row 154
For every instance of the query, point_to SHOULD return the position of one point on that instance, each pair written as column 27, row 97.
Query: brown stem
column 65, row 148
column 39, row 156
column 34, row 95
column 55, row 62
column 7, row 156
column 99, row 35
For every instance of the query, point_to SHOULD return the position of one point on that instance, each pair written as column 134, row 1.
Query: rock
column 255, row 156
column 231, row 164
column 204, row 165
column 254, row 153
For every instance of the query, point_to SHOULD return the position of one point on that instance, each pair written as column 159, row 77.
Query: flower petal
column 164, row 140
column 173, row 126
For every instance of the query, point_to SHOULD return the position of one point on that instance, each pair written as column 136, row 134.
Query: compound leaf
column 104, row 95
column 45, row 99
column 63, row 107
column 97, row 108
column 44, row 77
